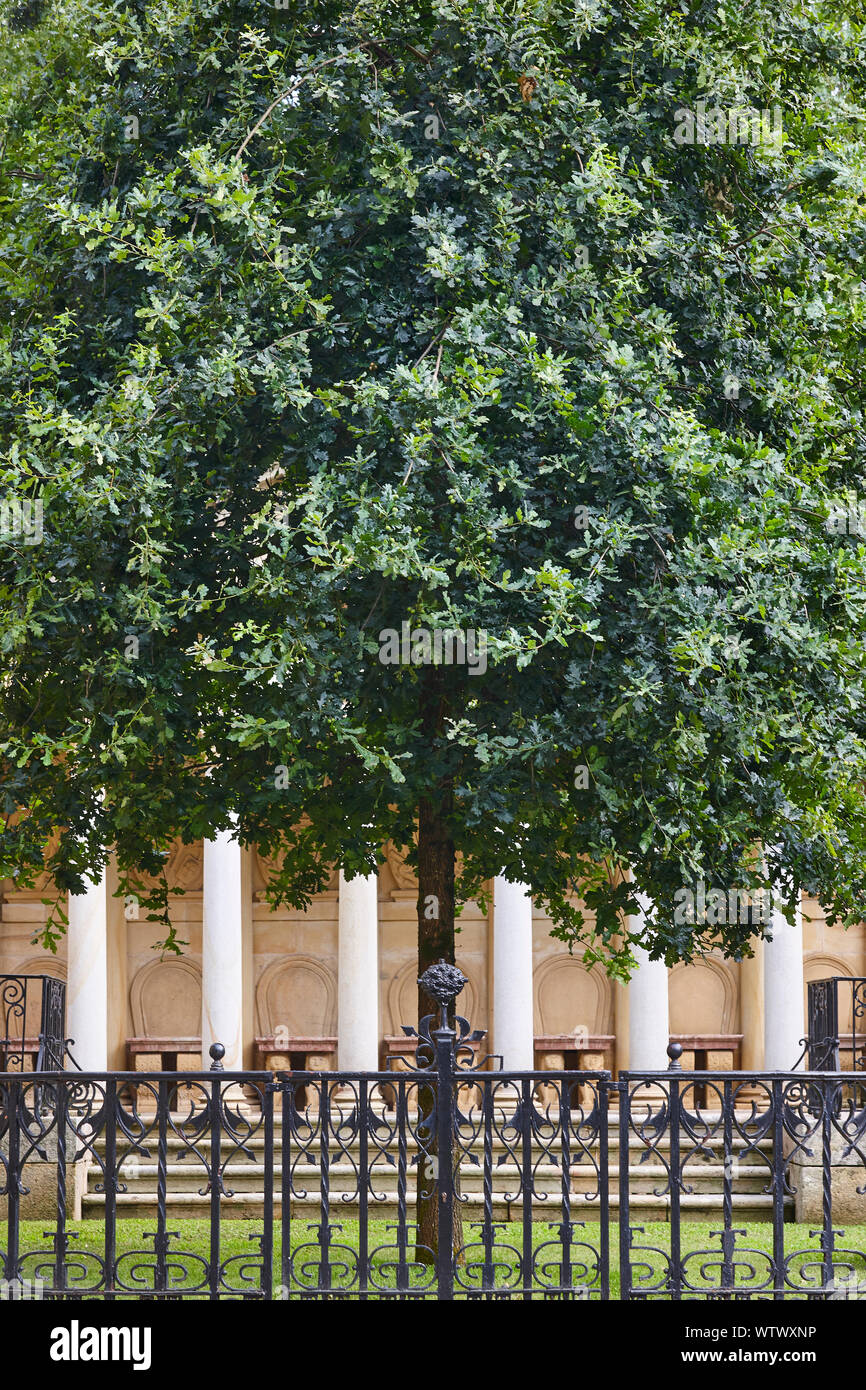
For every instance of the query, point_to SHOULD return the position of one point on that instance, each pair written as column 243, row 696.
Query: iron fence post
column 444, row 1039
column 443, row 982
column 675, row 1102
column 604, row 1089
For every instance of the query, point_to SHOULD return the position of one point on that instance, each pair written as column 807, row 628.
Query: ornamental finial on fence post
column 443, row 982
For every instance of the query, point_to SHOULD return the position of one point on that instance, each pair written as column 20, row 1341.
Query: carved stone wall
column 298, row 995
column 569, row 996
column 165, row 999
column 703, row 997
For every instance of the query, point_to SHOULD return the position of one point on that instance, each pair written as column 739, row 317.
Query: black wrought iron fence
column 436, row 1181
column 776, row 1163
column 439, row 1181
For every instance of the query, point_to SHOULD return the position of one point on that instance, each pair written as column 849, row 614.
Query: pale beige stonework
column 847, row 1181
column 290, row 971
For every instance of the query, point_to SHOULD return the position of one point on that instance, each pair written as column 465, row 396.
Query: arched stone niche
column 569, row 996
column 298, row 994
column 703, row 997
column 165, row 1000
column 402, row 1001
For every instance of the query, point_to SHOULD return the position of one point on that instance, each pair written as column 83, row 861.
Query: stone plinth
column 39, row 1176
column 848, row 1173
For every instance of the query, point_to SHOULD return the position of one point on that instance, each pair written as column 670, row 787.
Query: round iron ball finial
column 443, row 982
column 217, row 1052
column 675, row 1052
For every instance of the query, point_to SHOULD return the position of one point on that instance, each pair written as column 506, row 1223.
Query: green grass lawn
column 189, row 1253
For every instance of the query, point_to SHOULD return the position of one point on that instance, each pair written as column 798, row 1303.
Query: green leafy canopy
column 321, row 319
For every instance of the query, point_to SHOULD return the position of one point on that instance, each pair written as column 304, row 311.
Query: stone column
column 514, row 1038
column 87, row 976
column 358, row 974
column 621, row 1026
column 752, row 1009
column 222, row 970
column 116, row 966
column 648, row 1023
column 784, row 1012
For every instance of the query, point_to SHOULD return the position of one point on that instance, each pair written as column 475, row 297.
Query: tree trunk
column 435, row 943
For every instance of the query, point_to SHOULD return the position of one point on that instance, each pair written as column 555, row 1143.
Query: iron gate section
column 787, row 1150
column 833, row 1006
column 440, row 1181
column 466, row 1183
column 129, row 1129
column 28, row 1003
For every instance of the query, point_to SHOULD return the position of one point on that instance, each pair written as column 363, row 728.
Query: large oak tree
column 324, row 319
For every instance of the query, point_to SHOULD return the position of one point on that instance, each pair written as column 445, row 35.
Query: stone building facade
column 332, row 985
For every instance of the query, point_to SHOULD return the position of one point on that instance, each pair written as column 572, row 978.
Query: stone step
column 176, row 1144
column 547, row 1178
column 182, row 1176
column 250, row 1206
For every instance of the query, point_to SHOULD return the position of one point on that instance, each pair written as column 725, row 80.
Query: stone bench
column 709, row 1052
column 275, row 1052
column 578, row 1051
column 278, row 1053
column 16, row 1050
column 174, row 1054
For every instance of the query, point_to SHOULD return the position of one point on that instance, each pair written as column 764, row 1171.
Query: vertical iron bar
column 110, row 1185
column 217, row 1098
column 267, row 1281
column 161, row 1243
column 527, row 1182
column 624, row 1214
column 363, row 1182
column 603, row 1093
column 778, row 1194
column 676, row 1275
column 61, row 1239
column 325, row 1188
column 828, row 1093
column 286, row 1100
column 445, row 1107
column 488, row 1274
column 402, row 1121
column 14, row 1197
column 566, row 1229
column 728, row 1237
